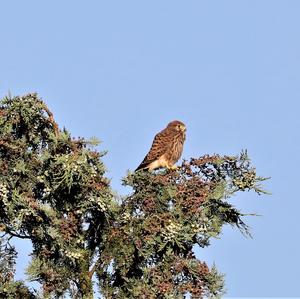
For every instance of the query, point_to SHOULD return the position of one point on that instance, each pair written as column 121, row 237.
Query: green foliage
column 53, row 191
column 150, row 250
column 15, row 290
column 8, row 288
column 7, row 260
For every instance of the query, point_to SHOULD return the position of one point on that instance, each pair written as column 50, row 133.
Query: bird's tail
column 143, row 167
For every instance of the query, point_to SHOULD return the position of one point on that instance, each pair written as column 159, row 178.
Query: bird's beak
column 183, row 128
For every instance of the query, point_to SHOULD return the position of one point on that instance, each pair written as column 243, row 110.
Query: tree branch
column 92, row 271
column 18, row 235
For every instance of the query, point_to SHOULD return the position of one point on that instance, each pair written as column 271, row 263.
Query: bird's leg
column 172, row 167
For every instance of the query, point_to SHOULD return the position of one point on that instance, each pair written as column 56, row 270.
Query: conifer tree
column 150, row 250
column 53, row 191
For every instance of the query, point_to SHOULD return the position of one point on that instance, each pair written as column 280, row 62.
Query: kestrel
column 166, row 148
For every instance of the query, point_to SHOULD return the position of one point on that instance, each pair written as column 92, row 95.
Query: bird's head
column 177, row 125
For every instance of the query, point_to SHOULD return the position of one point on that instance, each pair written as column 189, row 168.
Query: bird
column 166, row 148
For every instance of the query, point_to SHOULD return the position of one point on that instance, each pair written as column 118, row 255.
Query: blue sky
column 121, row 70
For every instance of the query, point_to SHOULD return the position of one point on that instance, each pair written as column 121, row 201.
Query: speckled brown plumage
column 166, row 148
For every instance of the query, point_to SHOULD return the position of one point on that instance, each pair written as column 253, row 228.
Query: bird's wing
column 159, row 146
